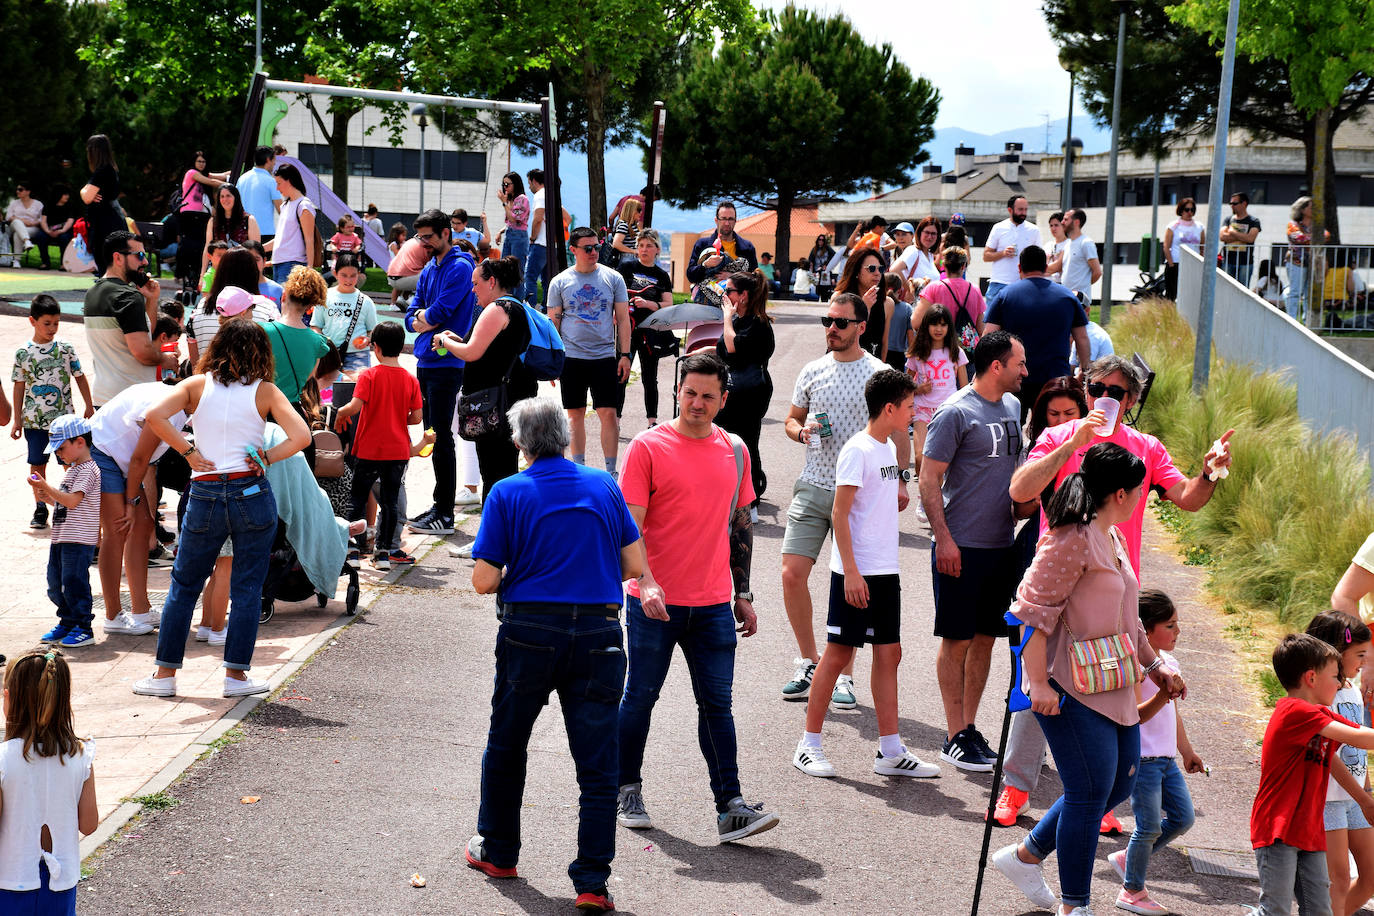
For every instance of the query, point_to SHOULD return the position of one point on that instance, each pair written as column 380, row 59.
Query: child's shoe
column 1138, row 902
column 399, row 557
column 382, row 561
column 56, row 633
column 40, row 517
column 77, row 637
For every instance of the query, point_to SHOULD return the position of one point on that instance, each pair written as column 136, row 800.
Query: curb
column 121, row 816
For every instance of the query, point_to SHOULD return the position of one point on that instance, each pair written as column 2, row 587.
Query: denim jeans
column 1238, row 264
column 244, row 511
column 281, row 271
column 1097, row 760
column 534, row 273
column 516, row 244
column 1296, row 296
column 1159, row 790
column 440, row 388
column 1284, row 870
column 994, row 292
column 707, row 637
column 69, row 583
column 582, row 659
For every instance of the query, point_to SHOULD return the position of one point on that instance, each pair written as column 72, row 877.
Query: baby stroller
column 701, row 326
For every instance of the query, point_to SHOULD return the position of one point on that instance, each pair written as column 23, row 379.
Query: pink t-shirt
column 409, row 261
column 686, row 486
column 941, row 370
column 951, row 292
column 1160, row 473
column 192, row 193
column 345, row 241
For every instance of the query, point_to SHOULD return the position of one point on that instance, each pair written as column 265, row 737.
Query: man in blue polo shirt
column 443, row 301
column 566, row 540
column 258, row 189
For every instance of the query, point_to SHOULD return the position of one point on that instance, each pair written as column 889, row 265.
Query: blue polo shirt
column 558, row 529
column 444, row 292
column 258, row 189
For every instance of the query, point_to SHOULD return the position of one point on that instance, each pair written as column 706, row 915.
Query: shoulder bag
column 484, row 411
column 1109, row 662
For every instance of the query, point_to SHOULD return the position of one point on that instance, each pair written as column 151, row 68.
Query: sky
column 993, row 60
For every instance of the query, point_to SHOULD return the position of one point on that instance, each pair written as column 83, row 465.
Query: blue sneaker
column 77, row 637
column 56, row 633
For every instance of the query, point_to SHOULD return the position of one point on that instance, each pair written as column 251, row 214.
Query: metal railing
column 1326, row 287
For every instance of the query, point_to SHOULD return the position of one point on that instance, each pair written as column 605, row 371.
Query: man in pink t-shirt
column 1056, row 455
column 403, row 273
column 688, row 487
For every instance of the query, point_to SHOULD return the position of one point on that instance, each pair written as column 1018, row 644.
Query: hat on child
column 904, row 227
column 233, row 300
column 67, row 426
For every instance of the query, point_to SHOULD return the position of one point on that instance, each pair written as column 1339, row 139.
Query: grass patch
column 158, row 801
column 1280, row 531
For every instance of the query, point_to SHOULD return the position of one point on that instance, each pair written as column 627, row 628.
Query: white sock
column 811, row 739
column 890, row 745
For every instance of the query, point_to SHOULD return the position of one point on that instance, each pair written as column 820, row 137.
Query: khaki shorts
column 808, row 520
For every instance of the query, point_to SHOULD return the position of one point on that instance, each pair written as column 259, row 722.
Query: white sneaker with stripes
column 904, row 764
column 813, row 762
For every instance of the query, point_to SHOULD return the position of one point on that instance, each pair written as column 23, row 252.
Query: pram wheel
column 268, row 609
column 351, row 596
column 320, row 600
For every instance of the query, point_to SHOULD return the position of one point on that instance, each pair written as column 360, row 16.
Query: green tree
column 1325, row 46
column 38, row 92
column 805, row 107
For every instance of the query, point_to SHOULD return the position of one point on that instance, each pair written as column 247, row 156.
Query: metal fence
column 1326, row 287
column 1334, row 391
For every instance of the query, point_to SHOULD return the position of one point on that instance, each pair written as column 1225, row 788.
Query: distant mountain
column 1032, row 138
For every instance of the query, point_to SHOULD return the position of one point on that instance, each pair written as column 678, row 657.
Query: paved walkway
column 366, row 768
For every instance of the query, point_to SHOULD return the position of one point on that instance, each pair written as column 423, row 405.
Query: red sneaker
column 596, row 901
column 1110, row 825
column 1011, row 804
column 476, row 856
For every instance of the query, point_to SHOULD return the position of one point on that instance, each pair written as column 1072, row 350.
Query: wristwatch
column 625, row 356
column 747, row 596
column 905, row 474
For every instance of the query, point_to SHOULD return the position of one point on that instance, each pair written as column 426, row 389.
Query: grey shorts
column 808, row 520
column 1344, row 815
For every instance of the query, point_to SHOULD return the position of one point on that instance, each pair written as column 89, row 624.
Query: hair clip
column 1348, row 638
column 52, row 654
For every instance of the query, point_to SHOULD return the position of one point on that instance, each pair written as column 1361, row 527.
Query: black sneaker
column 423, row 516
column 164, row 535
column 982, row 743
column 963, row 751
column 160, row 558
column 433, row 524
column 40, row 517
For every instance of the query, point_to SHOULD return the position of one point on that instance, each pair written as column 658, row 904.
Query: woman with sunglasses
column 1182, row 231
column 229, row 222
column 746, row 345
column 863, row 276
column 517, row 206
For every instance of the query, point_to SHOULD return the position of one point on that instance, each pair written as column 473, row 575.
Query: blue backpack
column 544, row 355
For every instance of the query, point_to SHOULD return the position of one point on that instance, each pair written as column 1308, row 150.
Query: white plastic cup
column 813, row 427
column 1112, row 408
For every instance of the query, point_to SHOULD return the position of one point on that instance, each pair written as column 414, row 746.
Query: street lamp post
column 420, row 115
column 1066, row 197
column 1108, row 254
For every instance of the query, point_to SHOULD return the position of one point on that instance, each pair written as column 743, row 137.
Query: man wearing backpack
column 589, row 305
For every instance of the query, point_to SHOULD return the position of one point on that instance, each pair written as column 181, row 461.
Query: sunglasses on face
column 1189, row 210
column 1097, row 390
column 141, row 255
column 873, row 268
column 585, row 249
column 839, row 323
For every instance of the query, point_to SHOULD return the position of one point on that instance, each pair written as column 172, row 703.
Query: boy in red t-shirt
column 387, row 398
column 1286, row 826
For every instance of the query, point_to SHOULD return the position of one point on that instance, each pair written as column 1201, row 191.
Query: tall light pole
column 420, row 115
column 1108, row 254
column 1066, row 197
column 1202, row 352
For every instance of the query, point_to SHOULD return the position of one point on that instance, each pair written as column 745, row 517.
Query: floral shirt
column 47, row 371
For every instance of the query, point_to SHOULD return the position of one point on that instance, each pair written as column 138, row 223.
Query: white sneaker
column 466, row 497
column 217, row 637
column 152, row 686
column 904, row 764
column 462, row 553
column 813, row 762
column 1029, row 879
column 203, row 633
column 150, row 617
column 125, row 625
column 233, row 687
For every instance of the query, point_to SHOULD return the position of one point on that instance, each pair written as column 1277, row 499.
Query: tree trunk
column 1322, row 197
column 782, row 237
column 595, row 89
column 338, row 151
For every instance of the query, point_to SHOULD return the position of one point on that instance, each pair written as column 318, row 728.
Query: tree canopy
column 804, row 107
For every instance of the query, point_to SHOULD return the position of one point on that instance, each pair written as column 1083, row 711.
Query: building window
column 392, row 162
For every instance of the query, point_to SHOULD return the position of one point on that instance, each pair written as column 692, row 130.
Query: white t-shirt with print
column 1349, row 703
column 871, row 466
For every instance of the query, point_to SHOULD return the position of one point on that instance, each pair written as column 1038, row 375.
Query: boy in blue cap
column 75, row 530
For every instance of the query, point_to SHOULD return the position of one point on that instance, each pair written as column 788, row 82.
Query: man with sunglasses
column 590, row 306
column 1238, row 234
column 828, row 409
column 118, row 309
column 1059, row 452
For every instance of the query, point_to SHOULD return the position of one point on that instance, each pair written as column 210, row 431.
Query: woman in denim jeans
column 228, row 497
column 1081, row 586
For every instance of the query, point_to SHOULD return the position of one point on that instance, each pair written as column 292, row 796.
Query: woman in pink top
column 1081, row 586
column 517, row 205
column 961, row 297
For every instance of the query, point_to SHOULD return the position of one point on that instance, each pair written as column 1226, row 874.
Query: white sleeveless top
column 226, row 423
column 39, row 791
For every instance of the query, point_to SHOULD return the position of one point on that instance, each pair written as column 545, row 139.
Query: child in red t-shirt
column 1286, row 826
column 387, row 398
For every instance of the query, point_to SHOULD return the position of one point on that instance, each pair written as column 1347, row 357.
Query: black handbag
column 482, row 412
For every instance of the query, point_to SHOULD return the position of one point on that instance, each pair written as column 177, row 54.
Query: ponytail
column 40, row 712
column 1071, row 504
column 1107, row 468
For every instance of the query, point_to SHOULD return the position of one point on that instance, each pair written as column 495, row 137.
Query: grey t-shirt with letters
column 588, row 303
column 981, row 441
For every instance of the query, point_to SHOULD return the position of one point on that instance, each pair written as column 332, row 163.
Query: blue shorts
column 1344, row 815
column 111, row 477
column 37, row 440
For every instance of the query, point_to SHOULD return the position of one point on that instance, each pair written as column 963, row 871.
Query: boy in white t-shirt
column 865, row 591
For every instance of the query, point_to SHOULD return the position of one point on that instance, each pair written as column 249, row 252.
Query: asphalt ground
column 366, row 767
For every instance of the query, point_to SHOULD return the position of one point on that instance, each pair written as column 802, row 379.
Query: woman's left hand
column 1171, row 684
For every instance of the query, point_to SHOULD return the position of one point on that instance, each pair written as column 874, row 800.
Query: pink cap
column 232, row 300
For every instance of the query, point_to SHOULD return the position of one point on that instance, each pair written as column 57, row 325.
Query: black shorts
column 975, row 602
column 878, row 624
column 597, row 375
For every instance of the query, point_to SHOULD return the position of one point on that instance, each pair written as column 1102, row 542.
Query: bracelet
column 187, row 453
column 1154, row 664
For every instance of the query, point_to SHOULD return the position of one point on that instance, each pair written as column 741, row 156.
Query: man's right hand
column 948, row 560
column 651, row 600
column 1087, row 430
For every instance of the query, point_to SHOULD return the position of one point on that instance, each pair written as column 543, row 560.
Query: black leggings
column 497, row 457
column 648, row 377
column 391, row 474
column 743, row 415
column 190, row 244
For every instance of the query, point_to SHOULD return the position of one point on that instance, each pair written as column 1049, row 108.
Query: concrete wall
column 1334, row 391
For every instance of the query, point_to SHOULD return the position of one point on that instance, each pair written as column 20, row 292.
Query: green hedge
column 1282, row 528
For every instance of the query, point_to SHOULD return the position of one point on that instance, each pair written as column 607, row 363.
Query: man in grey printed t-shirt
column 974, row 445
column 591, row 308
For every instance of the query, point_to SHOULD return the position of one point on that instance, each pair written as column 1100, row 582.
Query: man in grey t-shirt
column 591, row 308
column 974, row 445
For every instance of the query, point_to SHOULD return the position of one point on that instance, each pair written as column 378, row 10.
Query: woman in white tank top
column 229, row 496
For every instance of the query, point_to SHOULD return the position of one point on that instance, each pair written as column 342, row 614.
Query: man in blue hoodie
column 443, row 301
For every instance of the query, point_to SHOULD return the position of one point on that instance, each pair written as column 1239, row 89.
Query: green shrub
column 1280, row 531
